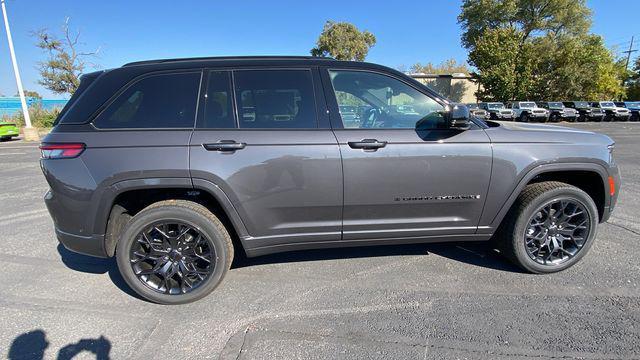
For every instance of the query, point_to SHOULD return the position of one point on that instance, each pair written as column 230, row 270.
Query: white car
column 612, row 112
column 526, row 111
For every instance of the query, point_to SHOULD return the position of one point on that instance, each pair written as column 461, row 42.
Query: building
column 456, row 87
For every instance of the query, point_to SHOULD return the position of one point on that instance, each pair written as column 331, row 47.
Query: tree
column 28, row 93
column 65, row 63
column 537, row 50
column 449, row 66
column 578, row 67
column 633, row 83
column 343, row 41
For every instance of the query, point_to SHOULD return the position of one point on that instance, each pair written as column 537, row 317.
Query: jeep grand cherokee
column 172, row 166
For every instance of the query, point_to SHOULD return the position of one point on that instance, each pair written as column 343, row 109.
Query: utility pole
column 30, row 133
column 628, row 52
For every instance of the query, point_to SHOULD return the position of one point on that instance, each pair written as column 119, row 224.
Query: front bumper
column 592, row 116
column 570, row 117
column 622, row 117
column 538, row 116
column 498, row 116
column 614, row 173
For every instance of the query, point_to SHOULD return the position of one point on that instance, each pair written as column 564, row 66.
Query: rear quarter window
column 155, row 101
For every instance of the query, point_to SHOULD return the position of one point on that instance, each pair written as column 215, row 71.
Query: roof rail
column 160, row 61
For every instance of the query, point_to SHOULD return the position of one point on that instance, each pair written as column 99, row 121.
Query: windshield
column 527, row 105
column 556, row 105
column 632, row 104
column 607, row 105
column 495, row 105
column 472, row 106
column 581, row 104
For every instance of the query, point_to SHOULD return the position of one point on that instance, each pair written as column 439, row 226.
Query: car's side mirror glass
column 458, row 117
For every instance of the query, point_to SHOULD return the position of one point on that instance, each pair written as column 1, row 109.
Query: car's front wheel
column 174, row 252
column 524, row 117
column 551, row 227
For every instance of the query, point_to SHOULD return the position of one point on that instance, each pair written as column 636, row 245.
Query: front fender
column 496, row 209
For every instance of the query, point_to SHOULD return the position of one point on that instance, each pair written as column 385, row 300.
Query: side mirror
column 459, row 117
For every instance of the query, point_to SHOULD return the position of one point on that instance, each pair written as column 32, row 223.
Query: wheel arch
column 124, row 199
column 580, row 175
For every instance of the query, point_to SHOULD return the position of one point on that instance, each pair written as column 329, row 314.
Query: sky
column 407, row 32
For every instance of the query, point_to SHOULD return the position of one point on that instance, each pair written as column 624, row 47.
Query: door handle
column 225, row 145
column 367, row 144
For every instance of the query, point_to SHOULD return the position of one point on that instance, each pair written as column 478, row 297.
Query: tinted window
column 384, row 102
column 275, row 99
column 218, row 108
column 156, row 101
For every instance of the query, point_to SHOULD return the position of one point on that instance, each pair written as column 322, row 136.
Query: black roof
column 238, row 59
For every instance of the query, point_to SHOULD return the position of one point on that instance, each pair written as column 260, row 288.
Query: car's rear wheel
column 174, row 252
column 524, row 117
column 551, row 227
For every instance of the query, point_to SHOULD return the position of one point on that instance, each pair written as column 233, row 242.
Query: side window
column 218, row 108
column 156, row 101
column 275, row 99
column 371, row 100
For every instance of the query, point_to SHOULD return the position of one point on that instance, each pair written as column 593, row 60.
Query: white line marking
column 21, row 214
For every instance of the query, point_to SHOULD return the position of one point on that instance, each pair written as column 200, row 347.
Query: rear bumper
column 86, row 245
column 92, row 245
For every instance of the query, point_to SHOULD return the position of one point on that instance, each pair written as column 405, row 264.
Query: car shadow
column 479, row 254
column 33, row 344
column 94, row 265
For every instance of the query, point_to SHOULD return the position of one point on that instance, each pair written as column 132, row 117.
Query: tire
column 524, row 117
column 185, row 214
column 513, row 233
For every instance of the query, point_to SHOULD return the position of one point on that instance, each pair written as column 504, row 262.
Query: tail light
column 61, row 150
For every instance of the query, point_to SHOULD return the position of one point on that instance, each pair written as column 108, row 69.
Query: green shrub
column 40, row 117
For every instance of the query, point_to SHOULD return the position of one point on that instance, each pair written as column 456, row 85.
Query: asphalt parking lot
column 419, row 301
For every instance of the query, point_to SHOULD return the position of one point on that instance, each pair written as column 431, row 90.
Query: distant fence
column 11, row 105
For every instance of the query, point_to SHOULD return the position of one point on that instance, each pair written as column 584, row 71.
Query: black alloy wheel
column 172, row 257
column 557, row 231
column 174, row 252
column 550, row 227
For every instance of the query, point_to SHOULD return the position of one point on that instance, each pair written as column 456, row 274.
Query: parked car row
column 543, row 111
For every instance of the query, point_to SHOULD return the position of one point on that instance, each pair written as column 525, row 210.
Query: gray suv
column 171, row 166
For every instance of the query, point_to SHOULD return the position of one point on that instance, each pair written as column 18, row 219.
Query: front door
column 268, row 145
column 405, row 173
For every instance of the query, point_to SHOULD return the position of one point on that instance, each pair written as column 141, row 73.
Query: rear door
column 263, row 136
column 406, row 174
